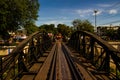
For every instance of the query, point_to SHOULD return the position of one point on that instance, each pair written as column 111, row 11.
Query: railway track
column 58, row 65
column 62, row 67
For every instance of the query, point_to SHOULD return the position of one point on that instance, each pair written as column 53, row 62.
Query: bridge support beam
column 1, row 68
column 107, row 62
column 92, row 44
column 84, row 45
column 105, row 65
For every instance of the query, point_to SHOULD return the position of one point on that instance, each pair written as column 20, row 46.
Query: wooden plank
column 36, row 67
column 48, row 51
column 28, row 77
column 41, row 59
column 45, row 54
column 42, row 74
column 86, row 74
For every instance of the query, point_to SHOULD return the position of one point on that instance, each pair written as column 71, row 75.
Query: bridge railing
column 101, row 54
column 19, row 61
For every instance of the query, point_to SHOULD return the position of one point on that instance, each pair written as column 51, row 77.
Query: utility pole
column 95, row 11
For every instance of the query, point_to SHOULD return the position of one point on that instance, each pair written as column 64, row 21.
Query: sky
column 66, row 11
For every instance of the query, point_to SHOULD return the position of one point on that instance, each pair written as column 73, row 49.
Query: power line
column 112, row 22
column 116, row 6
column 106, row 17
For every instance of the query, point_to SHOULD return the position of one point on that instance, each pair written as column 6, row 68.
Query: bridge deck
column 39, row 70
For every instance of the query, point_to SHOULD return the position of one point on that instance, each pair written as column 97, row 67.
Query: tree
column 31, row 27
column 48, row 28
column 76, row 23
column 64, row 30
column 16, row 13
column 118, row 33
column 112, row 34
column 84, row 25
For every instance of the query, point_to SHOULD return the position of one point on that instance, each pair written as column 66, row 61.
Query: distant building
column 20, row 34
column 102, row 29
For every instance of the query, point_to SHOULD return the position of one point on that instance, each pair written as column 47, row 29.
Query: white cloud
column 83, row 13
column 87, row 12
column 113, row 11
column 56, row 22
column 50, row 22
column 53, row 22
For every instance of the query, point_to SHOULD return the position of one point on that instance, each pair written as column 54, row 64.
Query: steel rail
column 52, row 70
column 74, row 72
column 76, row 75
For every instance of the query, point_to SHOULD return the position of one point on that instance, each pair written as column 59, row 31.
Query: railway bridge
column 84, row 57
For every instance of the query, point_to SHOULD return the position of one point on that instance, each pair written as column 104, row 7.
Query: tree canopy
column 61, row 28
column 16, row 13
column 84, row 25
column 48, row 28
column 30, row 28
column 64, row 30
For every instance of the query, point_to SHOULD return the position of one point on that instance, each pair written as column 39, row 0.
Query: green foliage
column 31, row 28
column 64, row 30
column 84, row 25
column 118, row 33
column 112, row 34
column 16, row 13
column 48, row 28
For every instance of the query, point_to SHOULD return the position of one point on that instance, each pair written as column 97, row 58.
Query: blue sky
column 65, row 11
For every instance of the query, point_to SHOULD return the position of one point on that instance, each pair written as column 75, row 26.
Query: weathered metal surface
column 22, row 57
column 101, row 54
column 43, row 73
